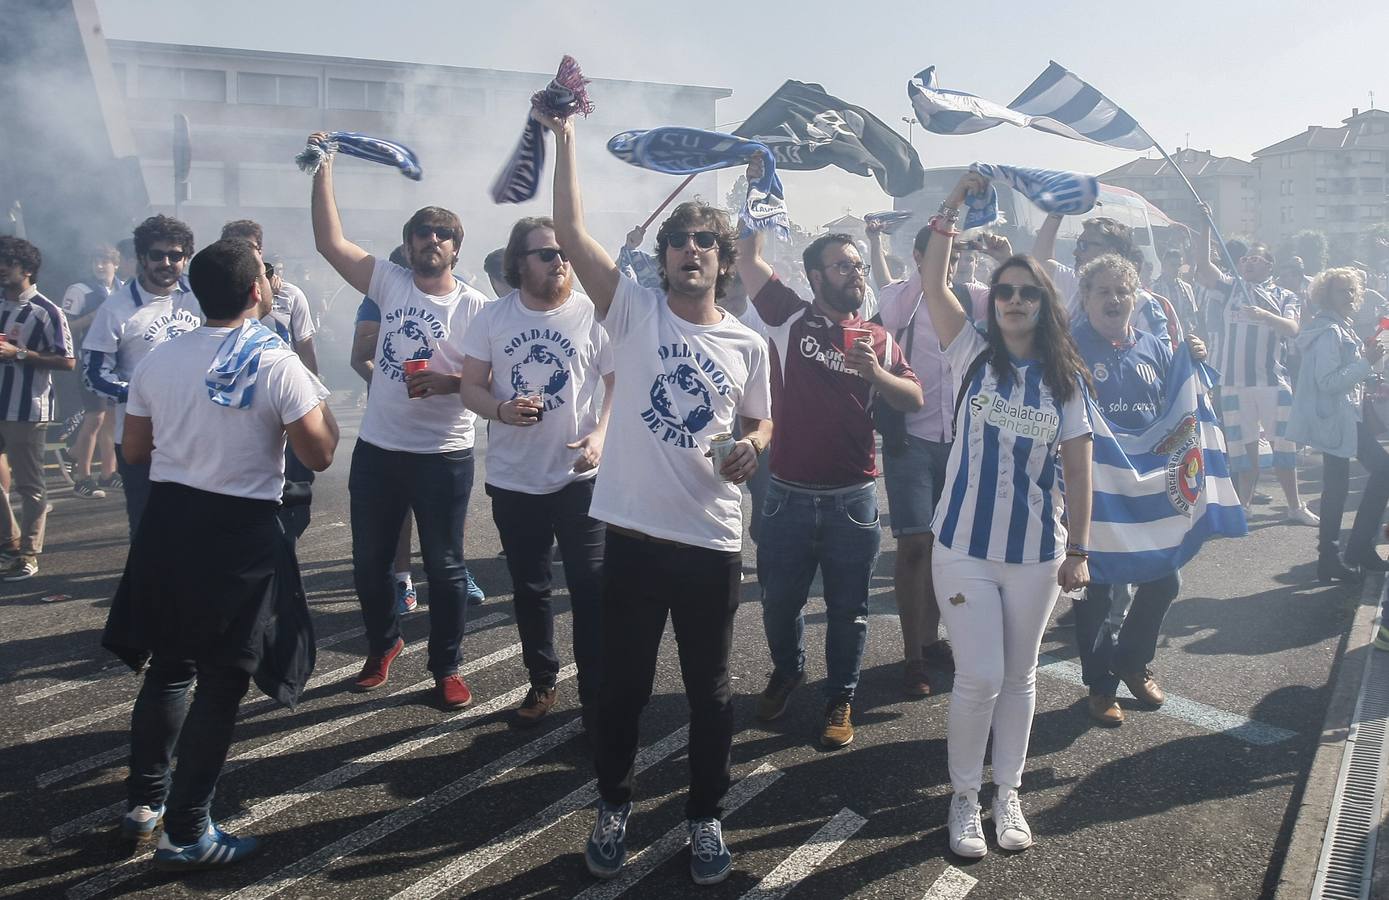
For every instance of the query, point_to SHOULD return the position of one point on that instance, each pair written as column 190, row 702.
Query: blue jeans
column 135, row 481
column 1104, row 653
column 384, row 486
column 837, row 532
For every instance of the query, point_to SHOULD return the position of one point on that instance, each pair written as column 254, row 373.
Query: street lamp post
column 910, row 120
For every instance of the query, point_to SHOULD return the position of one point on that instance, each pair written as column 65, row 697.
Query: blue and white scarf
column 362, row 146
column 890, row 219
column 675, row 150
column 567, row 94
column 231, row 380
column 1050, row 190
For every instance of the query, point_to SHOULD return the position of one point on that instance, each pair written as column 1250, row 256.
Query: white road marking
column 798, row 866
column 314, row 787
column 72, row 684
column 952, row 884
column 673, row 841
column 474, row 861
column 1190, row 711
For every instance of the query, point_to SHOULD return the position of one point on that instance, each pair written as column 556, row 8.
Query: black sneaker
column 939, row 655
column 113, row 483
column 22, row 568
column 774, row 697
column 87, row 487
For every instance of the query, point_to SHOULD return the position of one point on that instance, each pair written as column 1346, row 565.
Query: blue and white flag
column 231, row 380
column 1058, row 102
column 687, row 151
column 1160, row 493
column 889, row 219
column 362, row 146
column 1050, row 190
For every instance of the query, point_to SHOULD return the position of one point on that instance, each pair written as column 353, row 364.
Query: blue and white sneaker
column 213, row 850
column 606, row 850
column 475, row 594
column 139, row 824
column 405, row 598
column 710, row 861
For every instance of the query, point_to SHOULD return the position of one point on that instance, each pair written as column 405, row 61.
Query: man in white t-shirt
column 414, row 449
column 537, row 362
column 686, row 371
column 94, row 435
column 211, row 588
column 151, row 308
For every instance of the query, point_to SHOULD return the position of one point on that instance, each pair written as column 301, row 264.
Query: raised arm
column 354, row 264
column 597, row 271
column 1206, row 272
column 946, row 314
column 1044, row 247
column 752, row 268
column 877, row 255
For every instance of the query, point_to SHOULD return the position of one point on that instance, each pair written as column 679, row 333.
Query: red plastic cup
column 853, row 334
column 412, row 366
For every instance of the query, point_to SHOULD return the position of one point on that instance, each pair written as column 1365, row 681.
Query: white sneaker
column 966, row 830
column 1303, row 516
column 1009, row 824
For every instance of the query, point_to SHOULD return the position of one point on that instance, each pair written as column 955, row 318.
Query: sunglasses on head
column 704, row 240
column 442, row 232
column 158, row 256
column 548, row 254
column 1028, row 293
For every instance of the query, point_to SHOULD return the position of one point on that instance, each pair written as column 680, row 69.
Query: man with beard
column 414, row 450
column 674, row 520
column 821, row 510
column 535, row 359
column 151, row 308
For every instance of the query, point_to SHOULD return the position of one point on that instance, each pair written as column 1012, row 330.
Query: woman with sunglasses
column 1002, row 552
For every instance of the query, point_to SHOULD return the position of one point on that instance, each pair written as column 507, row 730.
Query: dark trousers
column 529, row 524
column 136, row 485
column 1335, row 486
column 202, row 730
column 643, row 581
column 1103, row 653
column 384, row 487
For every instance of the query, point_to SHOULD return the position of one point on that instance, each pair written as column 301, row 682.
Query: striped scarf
column 567, row 94
column 231, row 380
column 377, row 150
column 1051, row 191
column 890, row 219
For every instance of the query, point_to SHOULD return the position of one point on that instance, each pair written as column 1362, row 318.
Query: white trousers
column 995, row 614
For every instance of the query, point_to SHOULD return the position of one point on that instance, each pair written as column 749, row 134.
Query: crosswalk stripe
column 952, row 884
column 670, row 843
column 1190, row 711
column 71, row 684
column 474, row 861
column 798, row 866
column 314, row 787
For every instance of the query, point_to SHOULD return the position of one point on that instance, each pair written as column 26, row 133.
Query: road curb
column 1314, row 812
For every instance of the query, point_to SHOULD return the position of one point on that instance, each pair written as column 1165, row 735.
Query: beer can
column 720, row 445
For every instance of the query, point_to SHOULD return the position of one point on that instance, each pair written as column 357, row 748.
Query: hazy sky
column 1235, row 75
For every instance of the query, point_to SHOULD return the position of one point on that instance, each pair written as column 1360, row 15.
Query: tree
column 1377, row 245
column 1312, row 246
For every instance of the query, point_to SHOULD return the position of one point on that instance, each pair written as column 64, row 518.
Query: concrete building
column 1327, row 179
column 250, row 112
column 1225, row 182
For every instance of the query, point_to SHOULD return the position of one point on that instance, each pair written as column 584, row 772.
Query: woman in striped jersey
column 1002, row 551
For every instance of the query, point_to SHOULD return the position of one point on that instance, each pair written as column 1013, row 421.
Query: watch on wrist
column 21, row 354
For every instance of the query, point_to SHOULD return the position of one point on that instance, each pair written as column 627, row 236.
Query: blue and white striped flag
column 1058, row 102
column 362, row 146
column 231, row 379
column 1159, row 494
column 1050, row 190
column 889, row 219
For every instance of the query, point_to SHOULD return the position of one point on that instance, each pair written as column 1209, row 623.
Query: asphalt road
column 371, row 796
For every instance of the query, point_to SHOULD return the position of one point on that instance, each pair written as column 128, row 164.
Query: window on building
column 1321, row 212
column 1374, row 156
column 381, row 96
column 1340, row 186
column 1372, row 185
column 1320, row 186
column 169, row 83
column 1342, row 214
column 276, row 90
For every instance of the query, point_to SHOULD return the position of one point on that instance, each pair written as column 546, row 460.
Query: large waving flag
column 1050, row 190
column 1058, row 102
column 1159, row 494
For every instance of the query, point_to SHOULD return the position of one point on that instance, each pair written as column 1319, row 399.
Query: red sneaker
column 453, row 691
column 377, row 669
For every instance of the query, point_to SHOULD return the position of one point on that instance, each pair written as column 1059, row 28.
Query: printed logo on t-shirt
column 1100, row 372
column 411, row 333
column 682, row 398
column 1147, row 373
column 1020, row 419
column 170, row 325
column 539, row 368
column 830, row 357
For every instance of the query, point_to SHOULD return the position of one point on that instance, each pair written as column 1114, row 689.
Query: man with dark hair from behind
column 211, row 589
column 34, row 341
column 492, row 265
column 151, row 308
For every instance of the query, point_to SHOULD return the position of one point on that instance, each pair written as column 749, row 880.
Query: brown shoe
column 839, row 730
column 914, row 681
column 536, row 706
column 1104, row 710
column 377, row 669
column 1143, row 687
column 772, row 703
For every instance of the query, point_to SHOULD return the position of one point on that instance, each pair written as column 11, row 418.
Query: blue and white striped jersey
column 1002, row 499
column 1251, row 353
column 37, row 324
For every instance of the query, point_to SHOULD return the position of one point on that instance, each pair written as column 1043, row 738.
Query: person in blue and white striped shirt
column 1002, row 550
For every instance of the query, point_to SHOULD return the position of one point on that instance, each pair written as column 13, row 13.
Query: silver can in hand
column 720, row 445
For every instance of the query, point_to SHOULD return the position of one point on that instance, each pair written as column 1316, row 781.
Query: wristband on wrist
column 941, row 226
column 950, row 213
column 1077, row 550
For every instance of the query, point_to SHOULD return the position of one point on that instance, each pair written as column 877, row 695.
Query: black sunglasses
column 442, row 232
column 704, row 240
column 1029, row 293
column 159, row 256
column 548, row 254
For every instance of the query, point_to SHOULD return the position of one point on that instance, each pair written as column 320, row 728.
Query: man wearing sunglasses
column 685, row 371
column 414, row 449
column 821, row 510
column 151, row 308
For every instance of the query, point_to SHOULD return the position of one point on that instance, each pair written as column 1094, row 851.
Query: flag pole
column 673, row 194
column 1215, row 230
